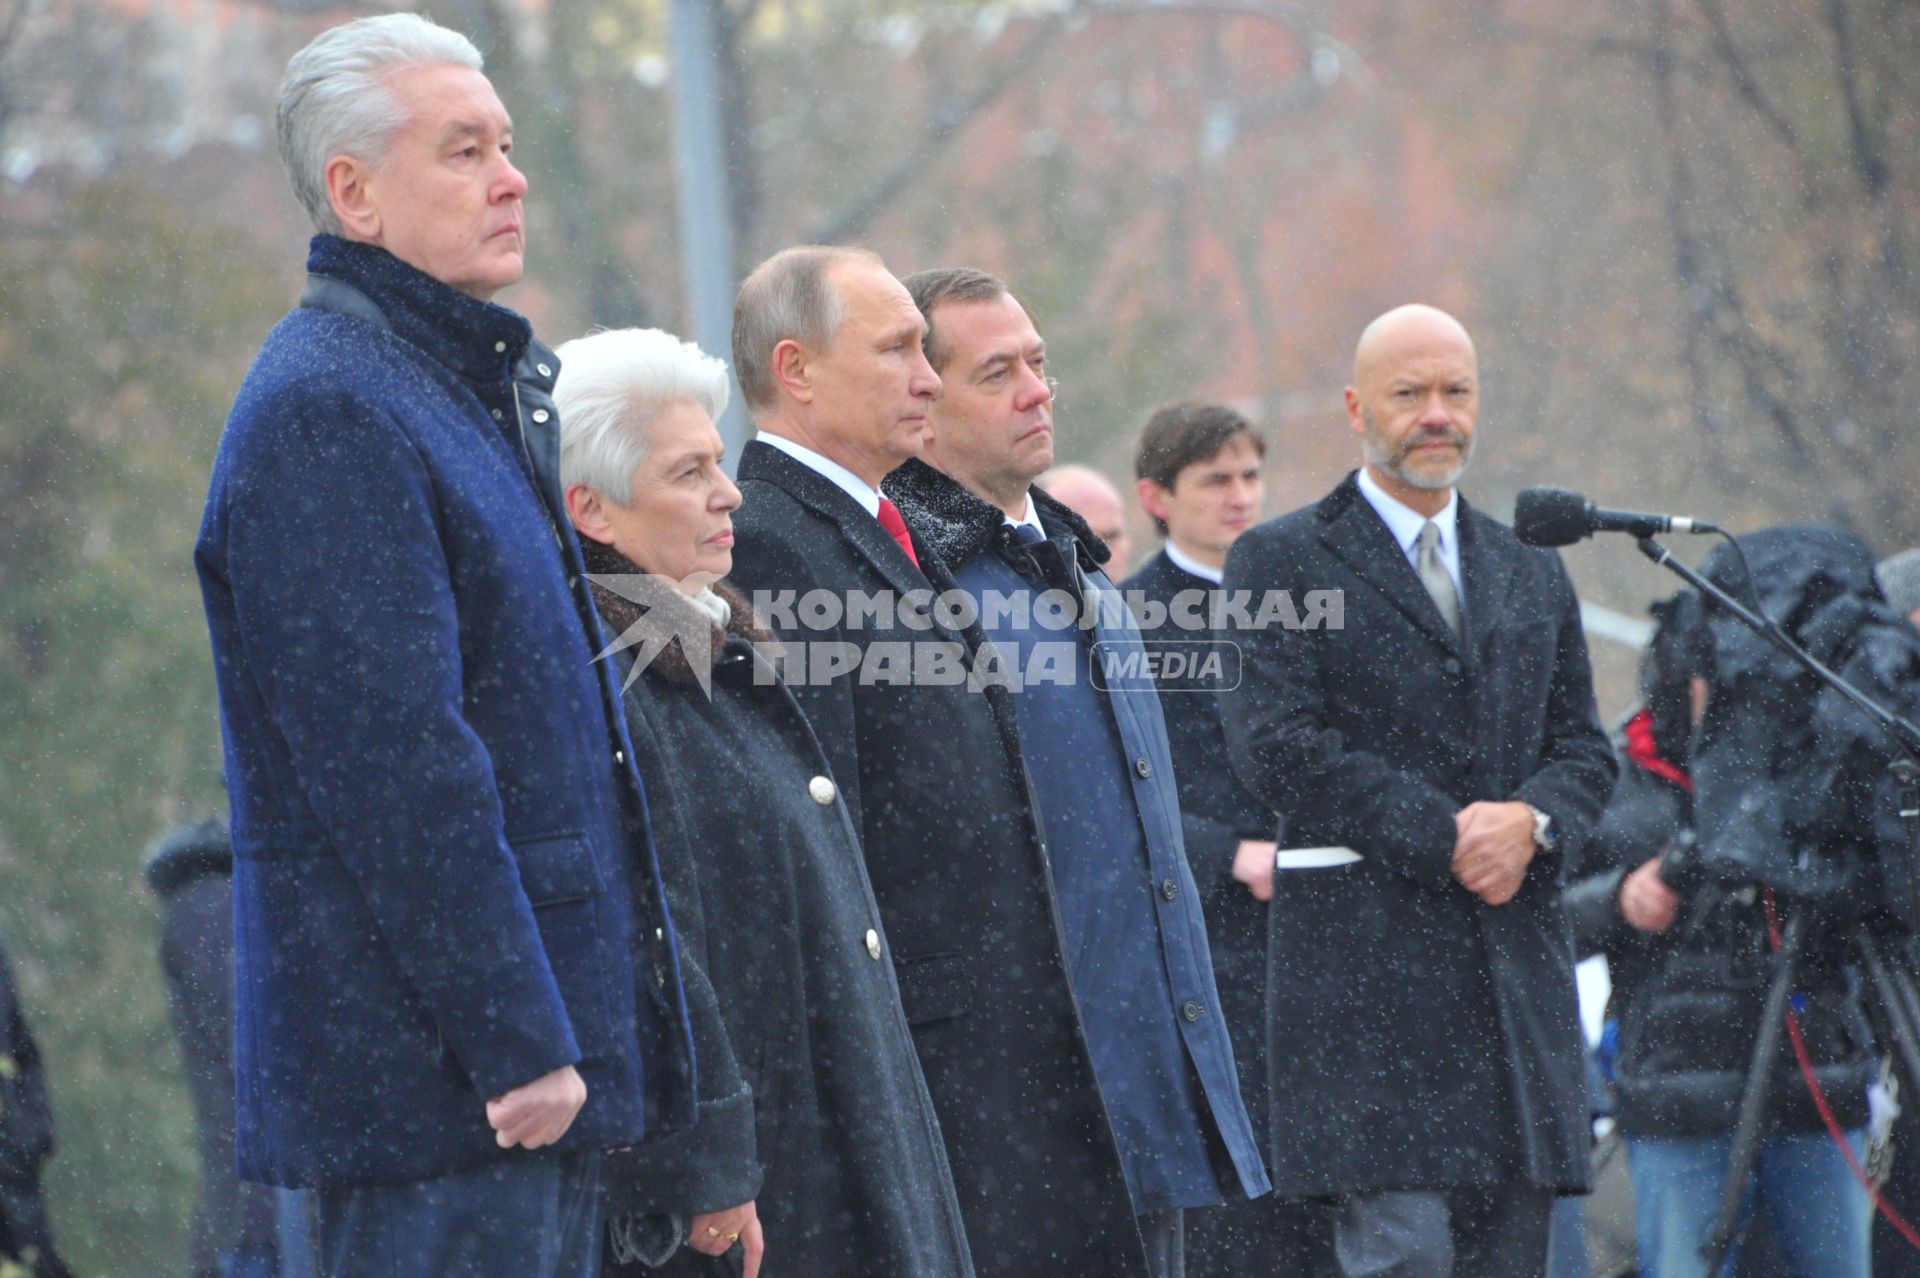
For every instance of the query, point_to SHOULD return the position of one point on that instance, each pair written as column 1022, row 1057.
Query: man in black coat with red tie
column 827, row 349
column 1436, row 756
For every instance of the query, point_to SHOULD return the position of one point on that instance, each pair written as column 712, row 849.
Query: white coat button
column 496, row 414
column 873, row 944
column 822, row 790
column 619, row 756
column 544, row 370
column 539, row 414
column 500, row 347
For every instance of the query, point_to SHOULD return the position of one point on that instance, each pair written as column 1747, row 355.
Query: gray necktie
column 1435, row 577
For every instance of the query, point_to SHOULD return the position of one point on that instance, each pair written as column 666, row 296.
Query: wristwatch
column 1543, row 836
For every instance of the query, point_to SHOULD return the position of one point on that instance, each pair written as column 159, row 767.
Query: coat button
column 497, row 414
column 619, row 756
column 540, row 414
column 1168, row 890
column 1191, row 1011
column 873, row 944
column 822, row 790
column 1144, row 768
column 499, row 348
column 1453, row 665
column 544, row 370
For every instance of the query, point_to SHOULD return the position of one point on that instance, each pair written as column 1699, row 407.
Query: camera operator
column 1727, row 727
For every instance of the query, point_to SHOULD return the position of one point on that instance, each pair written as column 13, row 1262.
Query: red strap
column 897, row 527
column 1800, row 1053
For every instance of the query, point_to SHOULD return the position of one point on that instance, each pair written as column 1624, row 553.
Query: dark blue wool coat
column 437, row 826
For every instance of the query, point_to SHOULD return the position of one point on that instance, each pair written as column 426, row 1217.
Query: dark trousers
column 1163, row 1233
column 1266, row 1235
column 536, row 1217
column 1497, row 1231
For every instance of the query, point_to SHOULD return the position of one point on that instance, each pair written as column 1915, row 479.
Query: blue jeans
column 535, row 1217
column 1819, row 1212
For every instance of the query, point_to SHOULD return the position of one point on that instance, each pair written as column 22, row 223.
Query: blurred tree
column 120, row 331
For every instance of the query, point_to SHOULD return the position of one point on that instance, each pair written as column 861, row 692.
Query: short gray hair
column 334, row 99
column 957, row 285
column 613, row 386
column 787, row 296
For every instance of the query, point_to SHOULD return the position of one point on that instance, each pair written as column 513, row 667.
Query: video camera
column 1791, row 784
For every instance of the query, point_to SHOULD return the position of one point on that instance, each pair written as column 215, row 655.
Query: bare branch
column 940, row 132
column 1744, row 82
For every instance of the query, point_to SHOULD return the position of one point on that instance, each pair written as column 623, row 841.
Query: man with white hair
column 442, row 879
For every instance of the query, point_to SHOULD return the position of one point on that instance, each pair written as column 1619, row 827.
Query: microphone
column 1556, row 517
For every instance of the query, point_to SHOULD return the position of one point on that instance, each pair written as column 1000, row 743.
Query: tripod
column 1895, row 1004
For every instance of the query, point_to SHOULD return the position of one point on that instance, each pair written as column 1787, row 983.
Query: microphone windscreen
column 1551, row 517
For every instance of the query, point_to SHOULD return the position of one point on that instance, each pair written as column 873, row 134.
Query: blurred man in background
column 1199, row 478
column 190, row 869
column 1087, row 493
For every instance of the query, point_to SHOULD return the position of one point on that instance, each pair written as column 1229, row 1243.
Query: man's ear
column 1356, row 416
column 791, row 369
column 588, row 510
column 349, row 193
column 1153, row 498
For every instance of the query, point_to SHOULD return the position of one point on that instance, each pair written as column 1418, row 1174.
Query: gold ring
column 712, row 1232
column 733, row 1238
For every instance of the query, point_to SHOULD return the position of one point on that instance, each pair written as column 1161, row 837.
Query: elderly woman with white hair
column 816, row 1133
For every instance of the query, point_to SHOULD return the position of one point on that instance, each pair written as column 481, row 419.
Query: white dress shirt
column 1404, row 522
column 1187, row 563
column 857, row 488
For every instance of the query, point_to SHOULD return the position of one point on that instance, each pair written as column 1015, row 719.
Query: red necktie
column 897, row 527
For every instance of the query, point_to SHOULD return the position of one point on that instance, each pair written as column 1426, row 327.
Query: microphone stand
column 1895, row 995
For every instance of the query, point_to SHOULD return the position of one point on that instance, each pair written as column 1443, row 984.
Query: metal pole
column 700, row 174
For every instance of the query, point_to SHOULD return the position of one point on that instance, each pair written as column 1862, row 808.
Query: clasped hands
column 1493, row 845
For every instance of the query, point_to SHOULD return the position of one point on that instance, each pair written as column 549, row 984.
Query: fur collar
column 622, row 613
column 956, row 525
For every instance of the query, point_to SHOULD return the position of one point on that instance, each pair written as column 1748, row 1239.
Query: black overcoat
column 933, row 771
column 821, row 1115
column 1420, row 1038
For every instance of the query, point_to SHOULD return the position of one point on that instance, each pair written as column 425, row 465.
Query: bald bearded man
column 1434, row 758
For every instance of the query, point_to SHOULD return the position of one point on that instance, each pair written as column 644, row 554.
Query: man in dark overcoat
column 827, row 348
column 455, row 981
column 1434, row 756
column 1096, row 751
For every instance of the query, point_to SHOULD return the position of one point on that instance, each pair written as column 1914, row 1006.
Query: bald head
column 1414, row 326
column 1414, row 402
column 1098, row 502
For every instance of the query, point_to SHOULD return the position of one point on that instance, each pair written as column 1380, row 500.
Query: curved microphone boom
column 1556, row 517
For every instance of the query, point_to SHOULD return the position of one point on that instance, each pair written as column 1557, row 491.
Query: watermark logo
column 1170, row 665
column 666, row 616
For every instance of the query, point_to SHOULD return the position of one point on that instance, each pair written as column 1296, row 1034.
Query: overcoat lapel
column 826, row 498
column 1360, row 539
column 1487, row 567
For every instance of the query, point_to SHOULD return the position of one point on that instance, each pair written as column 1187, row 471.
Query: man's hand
column 1646, row 901
column 1253, row 866
column 540, row 1112
column 717, row 1231
column 1492, row 848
